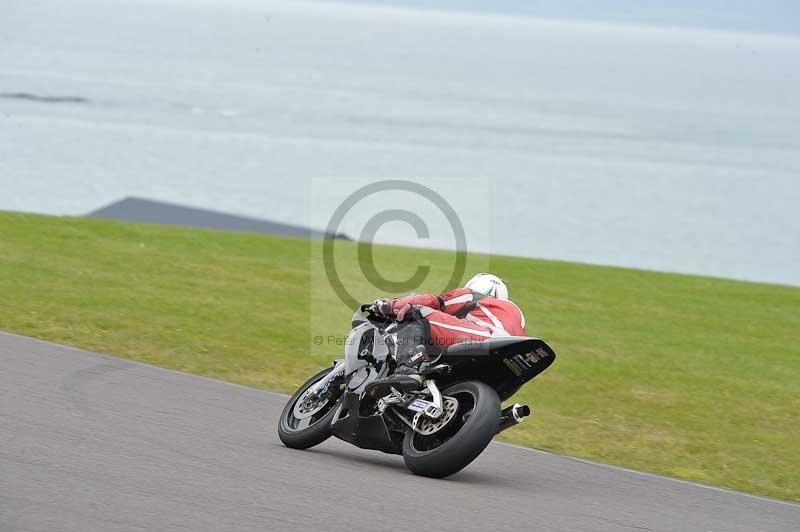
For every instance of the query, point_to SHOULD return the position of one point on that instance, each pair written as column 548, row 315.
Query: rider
column 478, row 311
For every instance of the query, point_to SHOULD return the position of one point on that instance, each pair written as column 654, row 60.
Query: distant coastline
column 769, row 17
column 134, row 209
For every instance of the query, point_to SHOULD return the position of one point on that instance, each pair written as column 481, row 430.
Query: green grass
column 686, row 376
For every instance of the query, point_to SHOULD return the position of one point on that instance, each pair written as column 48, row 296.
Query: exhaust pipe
column 512, row 416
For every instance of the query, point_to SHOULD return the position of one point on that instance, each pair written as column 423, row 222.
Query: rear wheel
column 470, row 423
column 306, row 418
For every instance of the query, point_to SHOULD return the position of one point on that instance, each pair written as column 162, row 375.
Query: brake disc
column 429, row 426
column 307, row 406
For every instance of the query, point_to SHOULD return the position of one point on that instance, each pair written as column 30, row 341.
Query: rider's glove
column 383, row 307
column 401, row 308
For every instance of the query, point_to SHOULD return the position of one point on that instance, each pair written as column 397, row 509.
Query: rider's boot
column 410, row 355
column 404, row 379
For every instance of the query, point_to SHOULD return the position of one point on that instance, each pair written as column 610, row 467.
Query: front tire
column 452, row 448
column 302, row 434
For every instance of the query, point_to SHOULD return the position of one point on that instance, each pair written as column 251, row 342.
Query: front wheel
column 306, row 418
column 470, row 421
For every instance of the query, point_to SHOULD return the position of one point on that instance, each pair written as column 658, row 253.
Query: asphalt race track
column 90, row 442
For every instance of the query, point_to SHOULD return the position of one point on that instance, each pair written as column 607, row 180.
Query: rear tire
column 423, row 456
column 320, row 428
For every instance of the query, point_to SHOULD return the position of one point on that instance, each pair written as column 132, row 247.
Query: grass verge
column 686, row 376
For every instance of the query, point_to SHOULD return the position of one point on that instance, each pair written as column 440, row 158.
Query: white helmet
column 488, row 285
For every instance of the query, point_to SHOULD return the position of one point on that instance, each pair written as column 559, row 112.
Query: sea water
column 660, row 148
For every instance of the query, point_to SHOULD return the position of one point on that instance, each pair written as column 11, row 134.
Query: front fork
column 322, row 384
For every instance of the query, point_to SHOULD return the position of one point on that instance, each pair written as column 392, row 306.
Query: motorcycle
column 438, row 429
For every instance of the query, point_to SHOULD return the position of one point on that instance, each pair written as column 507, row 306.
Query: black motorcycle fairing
column 517, row 344
column 505, row 362
column 367, row 432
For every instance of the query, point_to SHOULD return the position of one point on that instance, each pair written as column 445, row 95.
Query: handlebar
column 372, row 309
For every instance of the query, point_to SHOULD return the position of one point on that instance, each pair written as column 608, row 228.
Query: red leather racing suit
column 465, row 315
